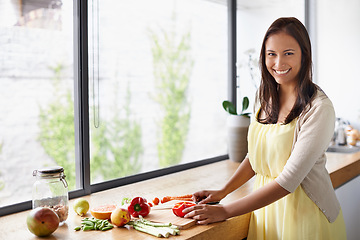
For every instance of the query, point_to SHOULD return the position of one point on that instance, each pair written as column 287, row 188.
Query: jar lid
column 49, row 170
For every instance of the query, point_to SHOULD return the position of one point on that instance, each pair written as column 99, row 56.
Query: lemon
column 81, row 206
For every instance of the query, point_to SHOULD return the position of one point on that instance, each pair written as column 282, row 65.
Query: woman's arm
column 262, row 197
column 241, row 176
column 310, row 144
column 243, row 173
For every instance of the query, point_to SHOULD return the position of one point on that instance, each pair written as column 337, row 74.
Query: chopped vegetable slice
column 179, row 207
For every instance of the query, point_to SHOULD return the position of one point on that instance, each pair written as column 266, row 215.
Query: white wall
column 9, row 12
column 253, row 19
column 349, row 198
column 338, row 61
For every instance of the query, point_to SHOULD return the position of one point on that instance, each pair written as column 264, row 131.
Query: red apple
column 42, row 221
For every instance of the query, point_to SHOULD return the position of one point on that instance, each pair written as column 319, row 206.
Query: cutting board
column 163, row 213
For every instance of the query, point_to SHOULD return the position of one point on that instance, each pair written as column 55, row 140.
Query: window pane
column 36, row 94
column 158, row 72
column 253, row 19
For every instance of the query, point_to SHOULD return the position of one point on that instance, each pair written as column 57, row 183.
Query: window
column 36, row 94
column 158, row 72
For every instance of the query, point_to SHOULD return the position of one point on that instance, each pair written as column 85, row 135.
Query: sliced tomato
column 180, row 206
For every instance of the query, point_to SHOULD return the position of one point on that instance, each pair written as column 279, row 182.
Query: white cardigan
column 306, row 164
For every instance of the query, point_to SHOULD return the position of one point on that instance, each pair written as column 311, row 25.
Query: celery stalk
column 169, row 230
column 155, row 229
column 148, row 231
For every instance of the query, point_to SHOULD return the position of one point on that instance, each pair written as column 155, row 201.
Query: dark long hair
column 268, row 90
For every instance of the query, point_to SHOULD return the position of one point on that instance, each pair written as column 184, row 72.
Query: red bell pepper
column 180, row 206
column 139, row 206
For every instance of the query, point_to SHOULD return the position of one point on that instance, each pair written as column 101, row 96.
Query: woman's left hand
column 205, row 214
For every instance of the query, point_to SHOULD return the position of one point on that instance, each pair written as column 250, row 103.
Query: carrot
column 187, row 197
column 184, row 196
column 165, row 199
column 181, row 198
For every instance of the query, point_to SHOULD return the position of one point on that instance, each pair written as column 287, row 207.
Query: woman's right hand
column 206, row 196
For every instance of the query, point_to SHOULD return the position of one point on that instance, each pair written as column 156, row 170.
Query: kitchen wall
column 350, row 205
column 253, row 19
column 8, row 12
column 338, row 51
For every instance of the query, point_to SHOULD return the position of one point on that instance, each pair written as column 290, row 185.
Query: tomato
column 156, row 201
column 180, row 206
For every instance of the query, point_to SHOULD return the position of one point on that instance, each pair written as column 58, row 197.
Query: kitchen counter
column 342, row 168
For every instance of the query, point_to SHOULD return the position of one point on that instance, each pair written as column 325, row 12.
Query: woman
column 288, row 137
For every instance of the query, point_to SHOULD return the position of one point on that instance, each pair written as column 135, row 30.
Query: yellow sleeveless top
column 295, row 216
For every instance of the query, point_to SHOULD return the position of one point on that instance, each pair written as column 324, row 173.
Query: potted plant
column 237, row 130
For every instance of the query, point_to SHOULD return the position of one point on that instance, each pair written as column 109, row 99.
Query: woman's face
column 283, row 58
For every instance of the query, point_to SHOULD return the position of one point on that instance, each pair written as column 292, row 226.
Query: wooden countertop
column 342, row 168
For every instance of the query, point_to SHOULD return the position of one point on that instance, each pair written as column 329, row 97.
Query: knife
column 209, row 203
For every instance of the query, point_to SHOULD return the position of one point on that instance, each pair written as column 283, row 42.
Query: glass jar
column 51, row 190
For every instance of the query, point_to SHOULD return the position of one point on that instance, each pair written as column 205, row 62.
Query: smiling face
column 283, row 58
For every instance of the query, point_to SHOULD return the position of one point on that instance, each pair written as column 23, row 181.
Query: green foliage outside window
column 116, row 144
column 56, row 123
column 173, row 66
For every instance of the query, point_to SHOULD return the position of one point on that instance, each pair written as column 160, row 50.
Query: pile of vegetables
column 138, row 208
